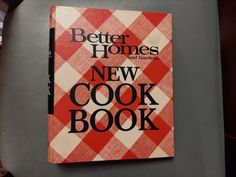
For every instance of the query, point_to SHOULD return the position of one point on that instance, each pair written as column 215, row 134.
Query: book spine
column 51, row 63
column 51, row 71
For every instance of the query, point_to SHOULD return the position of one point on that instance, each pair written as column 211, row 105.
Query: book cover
column 110, row 85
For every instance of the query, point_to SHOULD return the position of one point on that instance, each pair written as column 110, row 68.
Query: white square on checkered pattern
column 160, row 98
column 91, row 106
column 126, row 17
column 64, row 143
column 158, row 152
column 156, row 38
column 66, row 77
column 128, row 63
column 66, row 16
column 98, row 158
column 128, row 139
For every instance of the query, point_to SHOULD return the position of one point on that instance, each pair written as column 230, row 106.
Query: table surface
column 199, row 142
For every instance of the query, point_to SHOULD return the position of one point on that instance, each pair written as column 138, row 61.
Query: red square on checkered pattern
column 154, row 18
column 157, row 135
column 62, row 109
column 64, row 47
column 93, row 77
column 110, row 84
column 96, row 16
column 129, row 155
column 97, row 140
column 160, row 67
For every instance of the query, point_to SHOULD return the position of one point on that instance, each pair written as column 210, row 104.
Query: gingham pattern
column 72, row 65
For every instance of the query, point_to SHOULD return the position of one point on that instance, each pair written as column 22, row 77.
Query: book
column 110, row 93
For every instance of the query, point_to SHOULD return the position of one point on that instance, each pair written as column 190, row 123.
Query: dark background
column 227, row 14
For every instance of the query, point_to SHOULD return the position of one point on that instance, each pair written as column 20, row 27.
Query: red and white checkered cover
column 73, row 65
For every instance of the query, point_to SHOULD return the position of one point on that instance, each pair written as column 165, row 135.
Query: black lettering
column 93, row 120
column 112, row 73
column 110, row 95
column 147, row 94
column 117, row 94
column 95, row 50
column 154, row 50
column 145, row 118
column 133, row 117
column 73, row 91
column 82, row 120
column 142, row 50
column 129, row 72
column 99, row 73
column 77, row 32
